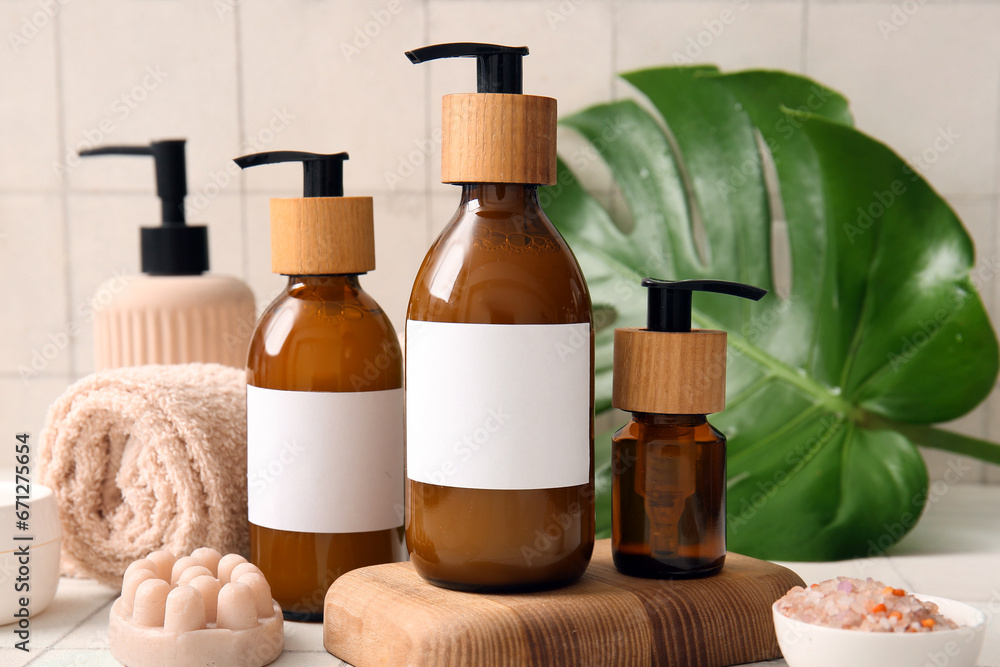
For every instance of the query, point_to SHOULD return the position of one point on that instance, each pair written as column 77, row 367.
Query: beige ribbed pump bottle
column 175, row 312
column 499, row 355
column 324, row 398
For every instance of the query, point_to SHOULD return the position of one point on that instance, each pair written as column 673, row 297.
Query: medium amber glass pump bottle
column 499, row 355
column 668, row 463
column 324, row 399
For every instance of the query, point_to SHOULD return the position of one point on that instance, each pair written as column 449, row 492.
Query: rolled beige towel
column 147, row 458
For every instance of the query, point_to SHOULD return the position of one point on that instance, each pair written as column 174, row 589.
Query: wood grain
column 498, row 138
column 388, row 615
column 322, row 235
column 669, row 373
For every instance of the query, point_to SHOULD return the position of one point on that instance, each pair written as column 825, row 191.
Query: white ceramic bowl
column 43, row 551
column 808, row 645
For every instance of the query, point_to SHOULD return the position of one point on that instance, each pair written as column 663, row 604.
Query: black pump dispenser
column 323, row 174
column 669, row 301
column 175, row 248
column 498, row 68
column 322, row 232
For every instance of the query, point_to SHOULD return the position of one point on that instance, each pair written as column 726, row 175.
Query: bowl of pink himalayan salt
column 864, row 623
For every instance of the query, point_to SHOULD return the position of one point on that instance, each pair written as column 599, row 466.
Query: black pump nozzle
column 498, row 68
column 171, row 173
column 174, row 248
column 669, row 306
column 323, row 175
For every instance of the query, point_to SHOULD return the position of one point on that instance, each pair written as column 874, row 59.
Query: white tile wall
column 339, row 69
column 28, row 79
column 723, row 33
column 937, row 73
column 135, row 71
column 34, row 325
column 237, row 76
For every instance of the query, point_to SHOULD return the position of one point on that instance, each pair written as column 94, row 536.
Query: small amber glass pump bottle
column 499, row 355
column 324, row 399
column 668, row 462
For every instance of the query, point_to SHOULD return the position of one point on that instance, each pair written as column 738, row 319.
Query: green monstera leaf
column 831, row 386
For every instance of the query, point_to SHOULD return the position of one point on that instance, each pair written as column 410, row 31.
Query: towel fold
column 147, row 458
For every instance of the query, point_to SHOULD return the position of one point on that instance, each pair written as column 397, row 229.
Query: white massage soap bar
column 202, row 609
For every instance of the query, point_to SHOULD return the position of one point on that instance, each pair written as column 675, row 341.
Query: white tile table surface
column 954, row 551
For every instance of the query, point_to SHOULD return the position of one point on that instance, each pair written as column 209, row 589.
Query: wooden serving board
column 388, row 615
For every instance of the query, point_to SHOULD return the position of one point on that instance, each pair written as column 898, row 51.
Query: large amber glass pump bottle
column 499, row 355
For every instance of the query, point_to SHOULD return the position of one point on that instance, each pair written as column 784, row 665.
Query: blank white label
column 325, row 462
column 495, row 406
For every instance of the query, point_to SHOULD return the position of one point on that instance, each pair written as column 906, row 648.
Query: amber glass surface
column 323, row 333
column 668, row 497
column 500, row 261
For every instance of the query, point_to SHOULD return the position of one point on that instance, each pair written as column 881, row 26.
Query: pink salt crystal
column 844, row 603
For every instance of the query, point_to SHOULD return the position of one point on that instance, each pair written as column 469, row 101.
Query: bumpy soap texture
column 202, row 609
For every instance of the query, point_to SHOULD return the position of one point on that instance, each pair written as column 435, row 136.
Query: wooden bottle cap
column 498, row 138
column 670, row 373
column 322, row 235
